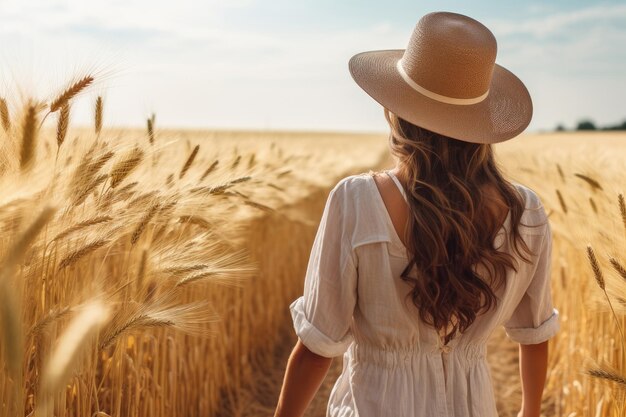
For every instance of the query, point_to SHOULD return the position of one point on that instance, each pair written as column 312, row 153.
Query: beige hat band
column 435, row 96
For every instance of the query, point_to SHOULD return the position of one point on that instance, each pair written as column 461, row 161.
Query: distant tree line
column 587, row 124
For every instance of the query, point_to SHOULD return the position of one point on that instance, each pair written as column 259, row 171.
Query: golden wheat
column 141, row 364
column 209, row 170
column 77, row 254
column 70, row 92
column 5, row 117
column 595, row 185
column 189, row 161
column 98, row 115
column 29, row 135
column 125, row 166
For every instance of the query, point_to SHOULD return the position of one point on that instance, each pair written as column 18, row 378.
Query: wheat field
column 149, row 272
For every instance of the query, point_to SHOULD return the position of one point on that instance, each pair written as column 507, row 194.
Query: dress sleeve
column 535, row 320
column 322, row 316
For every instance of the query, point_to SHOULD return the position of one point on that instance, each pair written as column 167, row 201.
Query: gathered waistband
column 390, row 357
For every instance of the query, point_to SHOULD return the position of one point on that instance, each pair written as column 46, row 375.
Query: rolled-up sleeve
column 535, row 319
column 322, row 316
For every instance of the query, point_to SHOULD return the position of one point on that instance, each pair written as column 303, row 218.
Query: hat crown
column 451, row 55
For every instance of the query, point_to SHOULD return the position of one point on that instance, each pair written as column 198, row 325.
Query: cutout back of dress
column 445, row 348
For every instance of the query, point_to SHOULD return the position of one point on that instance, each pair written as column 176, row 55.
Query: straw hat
column 447, row 81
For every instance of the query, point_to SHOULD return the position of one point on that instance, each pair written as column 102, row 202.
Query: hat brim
column 503, row 114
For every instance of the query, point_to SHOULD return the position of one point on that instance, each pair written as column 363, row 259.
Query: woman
column 412, row 270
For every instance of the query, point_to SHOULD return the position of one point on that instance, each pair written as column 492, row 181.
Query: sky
column 283, row 64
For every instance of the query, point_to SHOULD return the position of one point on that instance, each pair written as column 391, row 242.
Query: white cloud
column 557, row 22
column 573, row 62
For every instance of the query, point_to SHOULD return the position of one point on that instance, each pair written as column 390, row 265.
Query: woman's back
column 387, row 304
column 357, row 305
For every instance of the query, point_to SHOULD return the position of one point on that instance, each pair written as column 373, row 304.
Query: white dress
column 393, row 363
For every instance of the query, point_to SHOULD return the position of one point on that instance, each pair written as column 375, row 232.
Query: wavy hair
column 451, row 226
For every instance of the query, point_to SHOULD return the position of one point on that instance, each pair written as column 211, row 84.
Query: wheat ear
column 81, row 225
column 189, row 318
column 5, row 117
column 99, row 110
column 63, row 124
column 601, row 283
column 209, row 169
column 592, row 182
column 144, row 222
column 608, row 375
column 618, row 267
column 189, row 161
column 81, row 252
column 124, row 167
column 29, row 135
column 70, row 92
column 150, row 126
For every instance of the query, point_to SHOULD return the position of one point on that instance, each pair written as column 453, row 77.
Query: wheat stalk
column 602, row 284
column 5, row 117
column 99, row 110
column 595, row 267
column 197, row 220
column 80, row 226
column 81, row 252
column 141, row 271
column 592, row 182
column 241, row 179
column 125, row 166
column 276, row 187
column 618, row 267
column 85, row 192
column 84, row 175
column 189, row 161
column 189, row 318
column 52, row 316
column 608, row 375
column 221, row 276
column 63, row 124
column 128, row 187
column 135, row 322
column 209, row 170
column 29, row 135
column 235, row 162
column 560, row 171
column 144, row 222
column 218, row 189
column 139, row 199
column 150, row 126
column 70, row 93
column 259, row 206
column 183, row 269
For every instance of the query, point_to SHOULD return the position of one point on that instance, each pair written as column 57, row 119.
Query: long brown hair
column 451, row 228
